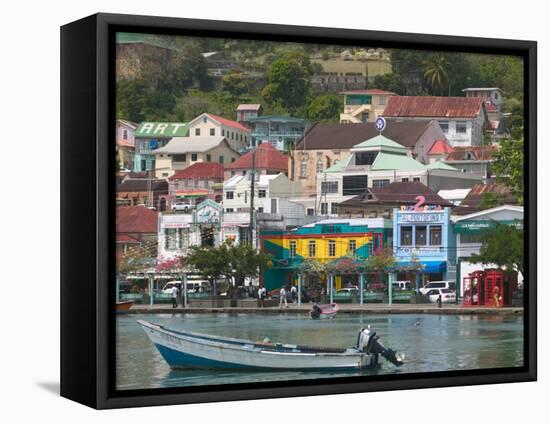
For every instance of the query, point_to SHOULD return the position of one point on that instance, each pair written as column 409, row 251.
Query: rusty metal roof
column 433, row 107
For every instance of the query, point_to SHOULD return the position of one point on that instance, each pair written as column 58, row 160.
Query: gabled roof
column 433, row 107
column 482, row 213
column 183, row 145
column 222, row 121
column 441, row 147
column 387, row 161
column 326, row 136
column 136, row 219
column 135, row 185
column 249, row 107
column 126, row 239
column 128, row 123
column 369, row 91
column 201, row 170
column 266, row 157
column 476, row 152
column 398, row 193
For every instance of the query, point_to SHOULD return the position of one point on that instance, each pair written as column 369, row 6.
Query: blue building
column 281, row 131
column 425, row 234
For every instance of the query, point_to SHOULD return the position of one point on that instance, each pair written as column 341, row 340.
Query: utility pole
column 252, row 181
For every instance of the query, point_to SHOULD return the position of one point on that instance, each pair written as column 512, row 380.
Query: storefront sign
column 416, row 217
column 476, row 226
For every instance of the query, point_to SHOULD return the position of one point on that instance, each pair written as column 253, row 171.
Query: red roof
column 429, row 106
column 205, row 170
column 124, row 143
column 227, row 122
column 136, row 219
column 267, row 157
column 371, row 91
column 473, row 152
column 441, row 147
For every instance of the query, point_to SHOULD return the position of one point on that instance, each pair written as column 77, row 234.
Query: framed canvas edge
column 104, row 397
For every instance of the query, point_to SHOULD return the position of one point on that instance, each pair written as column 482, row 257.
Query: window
column 229, row 195
column 382, row 100
column 331, row 248
column 179, row 157
column 416, row 179
column 461, row 127
column 352, row 246
column 303, row 168
column 324, row 208
column 232, row 159
column 310, row 212
column 444, row 126
column 223, row 132
column 170, row 238
column 261, row 193
column 221, row 160
column 183, row 238
column 273, row 205
column 311, row 249
column 260, row 209
column 196, row 183
column 435, row 235
column 197, row 131
column 125, row 134
column 329, row 187
column 379, row 183
column 204, row 119
column 229, row 210
column 292, row 249
column 334, row 208
column 194, row 157
column 319, row 165
column 208, row 157
column 420, row 235
column 354, row 185
column 362, row 159
column 406, row 235
column 404, row 179
column 212, row 132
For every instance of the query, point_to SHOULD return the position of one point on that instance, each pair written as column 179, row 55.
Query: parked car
column 192, row 286
column 182, row 206
column 447, row 296
column 401, row 285
column 437, row 285
column 349, row 288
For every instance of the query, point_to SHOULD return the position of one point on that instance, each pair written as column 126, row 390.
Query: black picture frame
column 87, row 210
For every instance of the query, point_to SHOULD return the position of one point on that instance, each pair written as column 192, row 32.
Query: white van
column 437, row 284
column 401, row 285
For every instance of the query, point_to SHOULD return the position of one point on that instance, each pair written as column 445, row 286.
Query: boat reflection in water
column 183, row 349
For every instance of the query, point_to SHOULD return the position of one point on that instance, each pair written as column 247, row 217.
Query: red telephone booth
column 483, row 287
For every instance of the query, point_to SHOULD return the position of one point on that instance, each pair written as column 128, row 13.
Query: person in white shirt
column 282, row 298
column 261, row 296
column 293, row 293
column 174, row 293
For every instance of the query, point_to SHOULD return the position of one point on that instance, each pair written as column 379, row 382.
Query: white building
column 209, row 125
column 268, row 192
column 468, row 229
column 462, row 119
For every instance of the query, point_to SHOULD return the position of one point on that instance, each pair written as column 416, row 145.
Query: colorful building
column 321, row 241
column 282, row 132
column 361, row 106
column 424, row 234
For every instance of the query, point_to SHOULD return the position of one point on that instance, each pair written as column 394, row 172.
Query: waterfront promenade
column 344, row 308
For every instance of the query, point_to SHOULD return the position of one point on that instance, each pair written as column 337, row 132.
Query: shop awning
column 429, row 266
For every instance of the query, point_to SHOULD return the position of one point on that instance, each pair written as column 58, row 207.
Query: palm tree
column 437, row 72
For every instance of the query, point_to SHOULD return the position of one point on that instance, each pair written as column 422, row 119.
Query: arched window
column 319, row 165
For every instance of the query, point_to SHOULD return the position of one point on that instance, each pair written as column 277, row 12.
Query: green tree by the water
column 508, row 165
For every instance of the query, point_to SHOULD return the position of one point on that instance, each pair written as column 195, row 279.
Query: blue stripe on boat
column 180, row 359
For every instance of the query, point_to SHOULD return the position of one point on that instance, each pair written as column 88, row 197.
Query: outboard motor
column 369, row 342
column 315, row 312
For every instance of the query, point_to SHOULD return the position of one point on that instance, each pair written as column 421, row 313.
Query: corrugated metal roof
column 431, row 106
column 202, row 170
column 266, row 157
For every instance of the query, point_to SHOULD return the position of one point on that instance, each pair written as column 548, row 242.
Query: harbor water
column 430, row 342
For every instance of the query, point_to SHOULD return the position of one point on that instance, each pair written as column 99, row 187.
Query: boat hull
column 189, row 350
column 123, row 307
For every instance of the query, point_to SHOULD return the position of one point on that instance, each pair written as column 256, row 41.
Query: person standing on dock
column 174, row 294
column 261, row 296
column 282, row 297
column 293, row 294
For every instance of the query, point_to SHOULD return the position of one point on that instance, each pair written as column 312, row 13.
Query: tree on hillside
column 508, row 166
column 235, row 85
column 502, row 245
column 437, row 73
column 324, row 108
column 289, row 83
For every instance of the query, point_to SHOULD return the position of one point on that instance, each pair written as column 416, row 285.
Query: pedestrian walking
column 282, row 298
column 293, row 294
column 261, row 296
column 174, row 293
